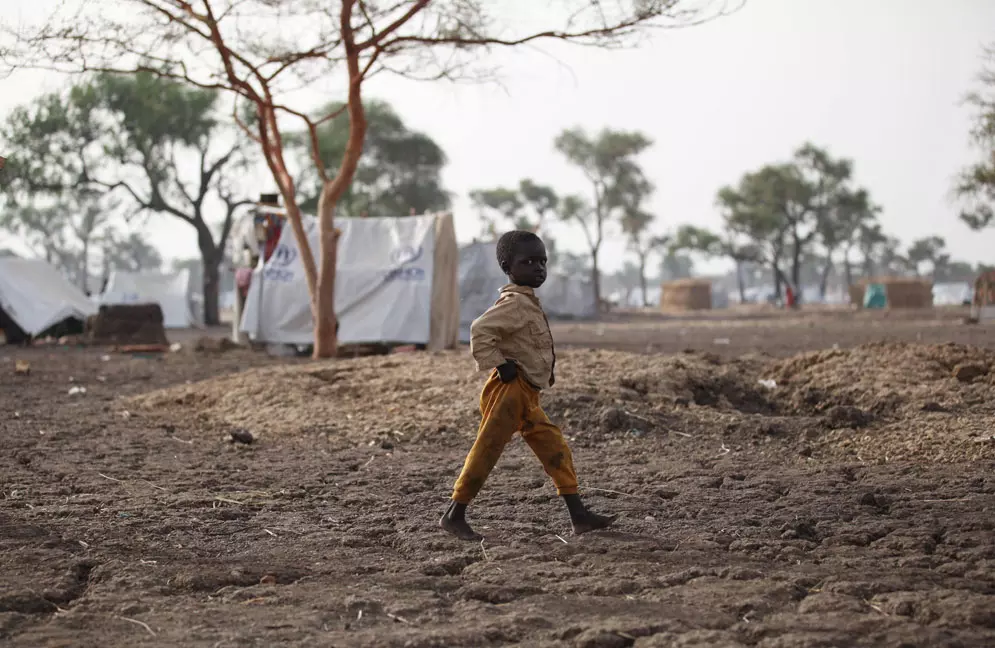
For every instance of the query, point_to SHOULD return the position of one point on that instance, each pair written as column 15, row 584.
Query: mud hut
column 901, row 292
column 983, row 303
column 686, row 295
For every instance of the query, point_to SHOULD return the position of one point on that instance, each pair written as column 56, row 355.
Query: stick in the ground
column 398, row 618
column 561, row 539
column 137, row 622
column 483, row 550
column 606, row 490
column 110, row 478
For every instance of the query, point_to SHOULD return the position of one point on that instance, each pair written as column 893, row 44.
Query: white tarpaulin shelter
column 170, row 290
column 37, row 297
column 396, row 282
column 480, row 280
column 955, row 293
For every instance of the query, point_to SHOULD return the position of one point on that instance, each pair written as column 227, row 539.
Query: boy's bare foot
column 592, row 522
column 454, row 521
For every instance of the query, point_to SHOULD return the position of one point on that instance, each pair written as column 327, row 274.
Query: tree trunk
column 212, row 287
column 847, row 270
column 740, row 283
column 796, row 270
column 210, row 259
column 642, row 280
column 84, row 263
column 778, row 276
column 325, row 333
column 325, row 338
column 824, row 279
column 596, row 278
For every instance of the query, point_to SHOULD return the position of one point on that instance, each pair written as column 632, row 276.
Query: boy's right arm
column 487, row 331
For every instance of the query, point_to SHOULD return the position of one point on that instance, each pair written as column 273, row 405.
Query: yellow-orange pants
column 508, row 408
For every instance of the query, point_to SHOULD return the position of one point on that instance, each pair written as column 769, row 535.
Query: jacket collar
column 522, row 290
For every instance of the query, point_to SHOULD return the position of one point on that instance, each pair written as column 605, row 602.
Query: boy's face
column 528, row 264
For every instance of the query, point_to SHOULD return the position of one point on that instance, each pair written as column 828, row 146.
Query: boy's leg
column 548, row 444
column 502, row 406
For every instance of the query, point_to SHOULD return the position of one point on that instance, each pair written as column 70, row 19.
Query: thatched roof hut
column 686, row 295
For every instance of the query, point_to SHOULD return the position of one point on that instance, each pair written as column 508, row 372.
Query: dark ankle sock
column 575, row 506
column 456, row 511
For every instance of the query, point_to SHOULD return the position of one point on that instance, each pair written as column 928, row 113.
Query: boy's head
column 522, row 256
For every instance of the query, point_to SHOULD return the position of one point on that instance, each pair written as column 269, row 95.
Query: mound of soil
column 886, row 379
column 127, row 324
column 878, row 402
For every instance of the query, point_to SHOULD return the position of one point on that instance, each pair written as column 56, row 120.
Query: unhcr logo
column 405, row 254
column 284, row 255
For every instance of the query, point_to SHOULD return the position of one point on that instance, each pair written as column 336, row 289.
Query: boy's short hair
column 509, row 242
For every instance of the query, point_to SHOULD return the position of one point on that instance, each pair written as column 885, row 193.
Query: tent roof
column 36, row 295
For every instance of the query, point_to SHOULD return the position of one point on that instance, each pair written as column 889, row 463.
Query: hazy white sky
column 878, row 81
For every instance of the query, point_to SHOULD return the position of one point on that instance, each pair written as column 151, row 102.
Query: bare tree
column 259, row 50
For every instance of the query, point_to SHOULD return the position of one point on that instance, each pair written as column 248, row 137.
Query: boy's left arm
column 487, row 331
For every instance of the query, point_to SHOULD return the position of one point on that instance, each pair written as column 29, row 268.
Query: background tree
column 729, row 245
column 423, row 39
column 129, row 252
column 526, row 208
column 608, row 162
column 128, row 137
column 930, row 250
column 398, row 170
column 976, row 184
column 751, row 213
column 675, row 265
column 839, row 228
column 642, row 242
column 66, row 234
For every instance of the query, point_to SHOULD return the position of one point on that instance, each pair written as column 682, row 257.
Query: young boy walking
column 514, row 341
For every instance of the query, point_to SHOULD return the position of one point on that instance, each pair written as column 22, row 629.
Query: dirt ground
column 773, row 490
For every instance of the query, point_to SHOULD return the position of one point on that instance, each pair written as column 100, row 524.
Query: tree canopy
column 399, row 169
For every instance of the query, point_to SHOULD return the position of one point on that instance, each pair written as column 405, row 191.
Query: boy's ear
column 505, row 268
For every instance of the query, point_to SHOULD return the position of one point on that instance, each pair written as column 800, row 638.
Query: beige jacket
column 515, row 328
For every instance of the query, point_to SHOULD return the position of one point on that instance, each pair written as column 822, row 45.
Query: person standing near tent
column 512, row 340
column 267, row 224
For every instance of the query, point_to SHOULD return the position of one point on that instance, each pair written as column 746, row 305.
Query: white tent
column 172, row 291
column 480, row 280
column 396, row 281
column 36, row 296
column 952, row 293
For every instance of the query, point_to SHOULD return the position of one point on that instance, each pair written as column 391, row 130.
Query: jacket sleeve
column 487, row 331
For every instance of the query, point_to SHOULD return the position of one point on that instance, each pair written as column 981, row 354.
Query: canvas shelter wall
column 899, row 292
column 955, row 293
column 480, row 281
column 36, row 297
column 908, row 292
column 171, row 291
column 396, row 282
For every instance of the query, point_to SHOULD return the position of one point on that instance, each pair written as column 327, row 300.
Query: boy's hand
column 508, row 371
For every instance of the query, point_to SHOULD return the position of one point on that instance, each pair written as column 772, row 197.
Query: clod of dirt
column 601, row 639
column 968, row 371
column 241, row 435
column 22, row 368
column 613, row 419
column 843, row 416
column 268, row 579
column 214, row 345
column 933, row 406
